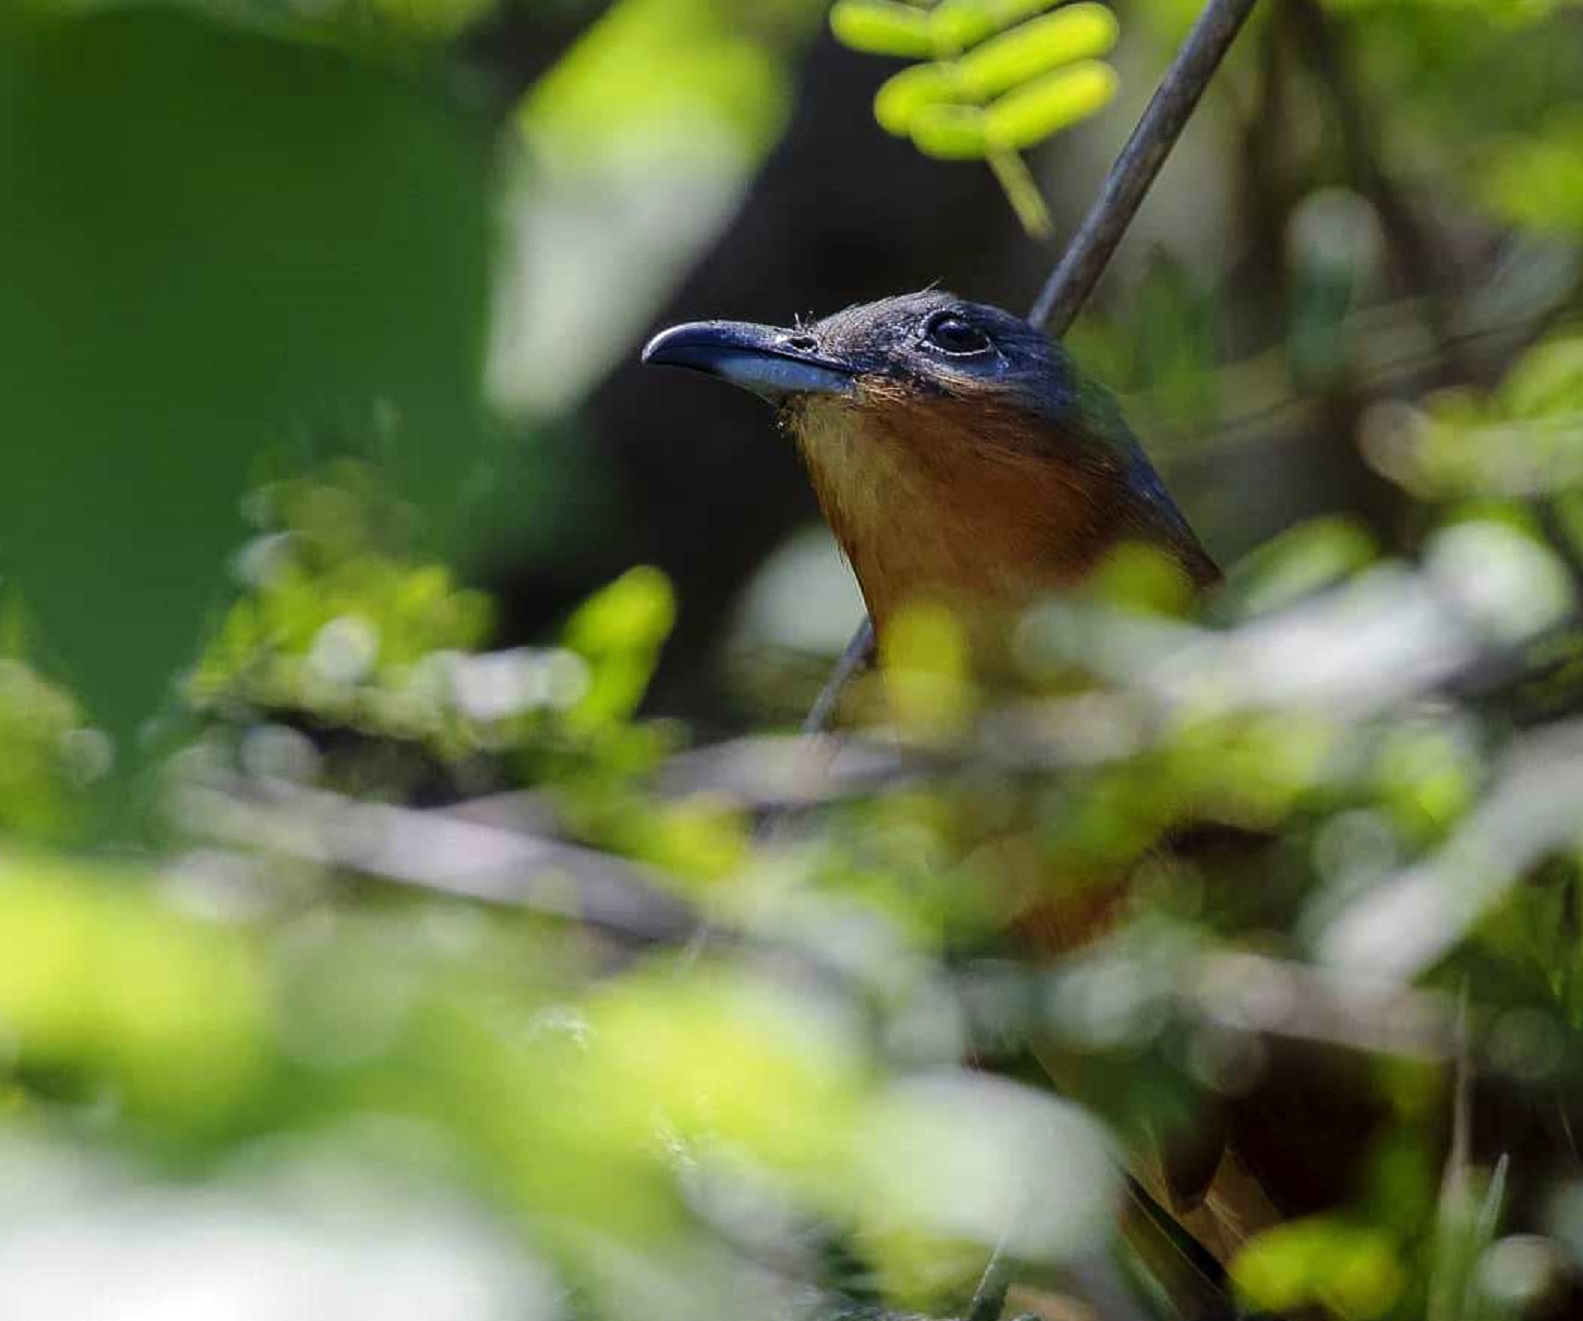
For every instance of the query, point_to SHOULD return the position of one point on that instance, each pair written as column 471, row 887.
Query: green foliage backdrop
column 216, row 244
column 420, row 965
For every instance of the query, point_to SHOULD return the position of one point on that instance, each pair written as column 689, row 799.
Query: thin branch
column 437, row 853
column 989, row 1299
column 859, row 652
column 1088, row 254
column 1091, row 249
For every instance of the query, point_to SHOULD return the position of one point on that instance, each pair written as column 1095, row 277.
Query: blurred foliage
column 338, row 625
column 454, row 986
column 190, row 279
column 1536, row 179
column 1520, row 439
column 649, row 62
column 51, row 754
column 635, row 149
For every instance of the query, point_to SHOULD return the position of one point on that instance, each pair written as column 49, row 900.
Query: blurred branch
column 435, row 852
column 989, row 1299
column 1091, row 249
column 859, row 652
column 1395, row 355
column 762, row 773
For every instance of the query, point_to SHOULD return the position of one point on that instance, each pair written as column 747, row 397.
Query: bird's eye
column 954, row 334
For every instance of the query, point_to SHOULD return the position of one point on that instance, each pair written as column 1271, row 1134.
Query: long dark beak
column 770, row 362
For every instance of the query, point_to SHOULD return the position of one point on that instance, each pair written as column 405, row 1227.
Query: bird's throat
column 928, row 507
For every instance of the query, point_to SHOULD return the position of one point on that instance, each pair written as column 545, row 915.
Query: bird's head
column 954, row 448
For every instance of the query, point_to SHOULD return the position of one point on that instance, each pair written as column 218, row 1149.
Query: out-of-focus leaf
column 927, row 676
column 902, row 97
column 951, row 132
column 985, row 50
column 1030, row 1173
column 1507, row 580
column 882, row 27
column 215, row 244
column 340, row 623
column 619, row 632
column 102, row 982
column 639, row 145
column 1312, row 556
column 1026, row 116
column 954, row 25
column 1536, row 179
column 720, row 1058
column 1351, row 1268
column 1336, row 255
column 1076, row 32
column 1523, row 438
column 47, row 755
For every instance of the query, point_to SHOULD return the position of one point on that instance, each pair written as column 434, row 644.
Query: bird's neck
column 930, row 503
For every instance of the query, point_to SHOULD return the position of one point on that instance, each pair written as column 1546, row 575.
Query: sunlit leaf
column 100, row 980
column 1351, row 1268
column 957, row 24
column 951, row 132
column 882, row 27
column 619, row 631
column 1536, row 178
column 901, row 97
column 1076, row 32
column 927, row 676
column 1029, row 114
column 1312, row 556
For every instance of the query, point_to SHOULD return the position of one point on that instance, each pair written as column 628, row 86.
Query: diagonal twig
column 1096, row 240
column 1091, row 249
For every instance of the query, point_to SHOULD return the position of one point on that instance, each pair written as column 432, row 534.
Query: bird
column 956, row 451
column 961, row 458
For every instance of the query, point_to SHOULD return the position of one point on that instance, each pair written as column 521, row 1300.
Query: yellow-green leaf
column 951, row 132
column 1354, row 1269
column 882, row 27
column 1034, row 111
column 903, row 96
column 955, row 25
column 1077, row 32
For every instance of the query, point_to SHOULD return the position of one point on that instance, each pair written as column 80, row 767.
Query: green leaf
column 882, row 27
column 1309, row 558
column 1354, row 1269
column 100, row 978
column 333, row 288
column 619, row 631
column 951, row 132
column 955, row 25
column 902, row 97
column 1030, row 114
column 1077, row 32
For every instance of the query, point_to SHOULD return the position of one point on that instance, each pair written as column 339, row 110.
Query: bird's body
column 961, row 460
column 956, row 453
